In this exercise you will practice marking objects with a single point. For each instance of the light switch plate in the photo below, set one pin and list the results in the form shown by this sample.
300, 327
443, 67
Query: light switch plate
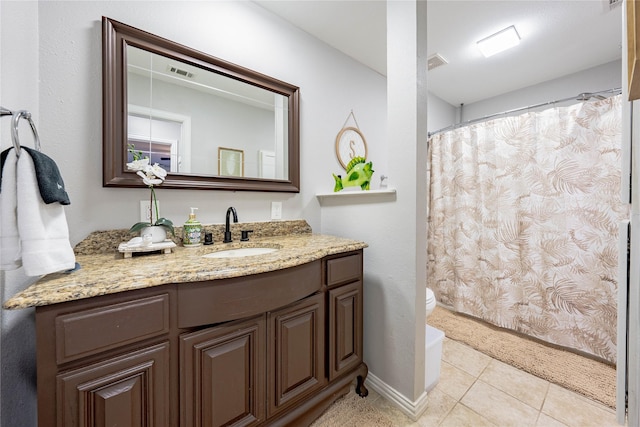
144, 210
276, 210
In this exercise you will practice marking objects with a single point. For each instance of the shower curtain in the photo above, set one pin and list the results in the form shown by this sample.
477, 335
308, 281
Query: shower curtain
523, 223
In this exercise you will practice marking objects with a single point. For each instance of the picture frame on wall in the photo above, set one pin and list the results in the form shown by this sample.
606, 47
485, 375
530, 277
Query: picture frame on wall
230, 162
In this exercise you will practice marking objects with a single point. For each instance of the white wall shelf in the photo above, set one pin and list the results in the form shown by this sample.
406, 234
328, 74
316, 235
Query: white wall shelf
357, 196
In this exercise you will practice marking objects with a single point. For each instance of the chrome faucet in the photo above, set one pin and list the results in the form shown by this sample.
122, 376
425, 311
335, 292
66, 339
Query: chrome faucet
227, 231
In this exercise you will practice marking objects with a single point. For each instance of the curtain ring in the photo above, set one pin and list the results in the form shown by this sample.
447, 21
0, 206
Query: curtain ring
14, 130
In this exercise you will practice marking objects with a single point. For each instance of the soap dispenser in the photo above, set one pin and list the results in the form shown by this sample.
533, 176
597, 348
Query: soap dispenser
191, 231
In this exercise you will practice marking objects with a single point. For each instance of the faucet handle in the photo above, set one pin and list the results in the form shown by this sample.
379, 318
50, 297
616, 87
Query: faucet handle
245, 235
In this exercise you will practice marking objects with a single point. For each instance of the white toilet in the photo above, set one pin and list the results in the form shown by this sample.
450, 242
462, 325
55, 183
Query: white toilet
433, 347
431, 301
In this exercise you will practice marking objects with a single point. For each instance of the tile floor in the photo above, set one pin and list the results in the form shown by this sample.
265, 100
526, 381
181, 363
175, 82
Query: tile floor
476, 390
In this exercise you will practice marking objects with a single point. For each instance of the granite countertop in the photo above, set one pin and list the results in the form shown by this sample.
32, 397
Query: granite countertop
109, 272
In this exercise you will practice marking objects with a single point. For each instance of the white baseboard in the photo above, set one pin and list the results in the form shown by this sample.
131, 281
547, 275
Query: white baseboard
412, 409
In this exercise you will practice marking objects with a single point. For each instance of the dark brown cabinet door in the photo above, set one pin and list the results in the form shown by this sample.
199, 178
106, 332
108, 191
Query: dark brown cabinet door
127, 391
345, 328
222, 375
295, 351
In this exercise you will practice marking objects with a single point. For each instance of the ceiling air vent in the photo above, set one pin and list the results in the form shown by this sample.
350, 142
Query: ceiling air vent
435, 61
180, 72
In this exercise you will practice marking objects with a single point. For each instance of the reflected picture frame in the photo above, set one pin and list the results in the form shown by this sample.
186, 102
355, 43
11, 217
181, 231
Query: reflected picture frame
230, 162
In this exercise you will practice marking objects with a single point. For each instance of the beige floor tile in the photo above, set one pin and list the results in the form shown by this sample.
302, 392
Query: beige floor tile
464, 357
546, 421
461, 416
499, 407
519, 384
439, 405
453, 381
575, 410
477, 391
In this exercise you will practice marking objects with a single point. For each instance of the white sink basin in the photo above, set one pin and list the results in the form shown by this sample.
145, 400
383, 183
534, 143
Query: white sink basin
239, 252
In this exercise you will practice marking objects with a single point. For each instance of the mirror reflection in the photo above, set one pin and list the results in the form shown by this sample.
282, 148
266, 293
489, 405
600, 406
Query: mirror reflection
185, 118
210, 123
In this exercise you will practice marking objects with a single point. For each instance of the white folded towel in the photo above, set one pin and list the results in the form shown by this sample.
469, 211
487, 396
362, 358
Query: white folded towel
9, 237
43, 229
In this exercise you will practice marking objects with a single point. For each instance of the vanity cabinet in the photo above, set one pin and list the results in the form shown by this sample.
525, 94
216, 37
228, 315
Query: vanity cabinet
274, 348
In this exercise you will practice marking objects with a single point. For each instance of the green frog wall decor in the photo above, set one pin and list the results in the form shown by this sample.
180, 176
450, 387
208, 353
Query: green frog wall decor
359, 173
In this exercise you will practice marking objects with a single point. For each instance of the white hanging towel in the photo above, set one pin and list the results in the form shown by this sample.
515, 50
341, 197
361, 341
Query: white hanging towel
9, 237
43, 229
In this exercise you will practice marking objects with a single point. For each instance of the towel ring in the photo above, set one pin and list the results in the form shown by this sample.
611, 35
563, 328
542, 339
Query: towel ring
14, 130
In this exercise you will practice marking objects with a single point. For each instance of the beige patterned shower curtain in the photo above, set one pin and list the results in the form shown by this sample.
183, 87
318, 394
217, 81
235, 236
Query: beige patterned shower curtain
523, 223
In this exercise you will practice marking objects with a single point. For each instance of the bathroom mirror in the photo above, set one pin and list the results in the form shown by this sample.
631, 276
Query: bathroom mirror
211, 124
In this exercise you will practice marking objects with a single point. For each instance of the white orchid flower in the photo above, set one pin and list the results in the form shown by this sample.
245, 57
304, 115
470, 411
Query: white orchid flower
158, 171
149, 180
138, 165
151, 175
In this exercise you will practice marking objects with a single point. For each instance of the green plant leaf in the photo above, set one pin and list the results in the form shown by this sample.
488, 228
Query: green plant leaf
139, 226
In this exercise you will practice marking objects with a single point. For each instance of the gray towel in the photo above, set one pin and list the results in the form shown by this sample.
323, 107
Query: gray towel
3, 158
50, 181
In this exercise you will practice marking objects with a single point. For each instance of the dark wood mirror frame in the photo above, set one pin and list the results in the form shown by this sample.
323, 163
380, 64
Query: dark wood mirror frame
115, 38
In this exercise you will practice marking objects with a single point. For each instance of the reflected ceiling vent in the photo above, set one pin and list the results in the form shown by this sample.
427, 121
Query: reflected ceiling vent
435, 61
613, 3
180, 72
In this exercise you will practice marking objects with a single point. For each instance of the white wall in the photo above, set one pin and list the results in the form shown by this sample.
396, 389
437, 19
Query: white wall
440, 113
602, 77
51, 65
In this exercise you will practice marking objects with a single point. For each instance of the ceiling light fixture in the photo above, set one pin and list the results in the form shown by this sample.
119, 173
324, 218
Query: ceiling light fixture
502, 40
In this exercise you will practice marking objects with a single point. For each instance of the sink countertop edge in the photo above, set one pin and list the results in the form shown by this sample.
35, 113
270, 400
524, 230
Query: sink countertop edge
104, 274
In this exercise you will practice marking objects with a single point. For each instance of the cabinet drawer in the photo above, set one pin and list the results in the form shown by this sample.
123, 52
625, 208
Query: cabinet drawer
92, 331
241, 297
343, 270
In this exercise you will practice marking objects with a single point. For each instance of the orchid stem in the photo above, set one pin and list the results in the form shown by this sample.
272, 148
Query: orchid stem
153, 203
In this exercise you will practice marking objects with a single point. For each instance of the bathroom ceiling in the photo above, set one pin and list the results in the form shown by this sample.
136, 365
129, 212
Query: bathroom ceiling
558, 38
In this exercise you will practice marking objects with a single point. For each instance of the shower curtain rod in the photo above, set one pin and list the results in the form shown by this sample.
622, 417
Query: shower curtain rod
585, 96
